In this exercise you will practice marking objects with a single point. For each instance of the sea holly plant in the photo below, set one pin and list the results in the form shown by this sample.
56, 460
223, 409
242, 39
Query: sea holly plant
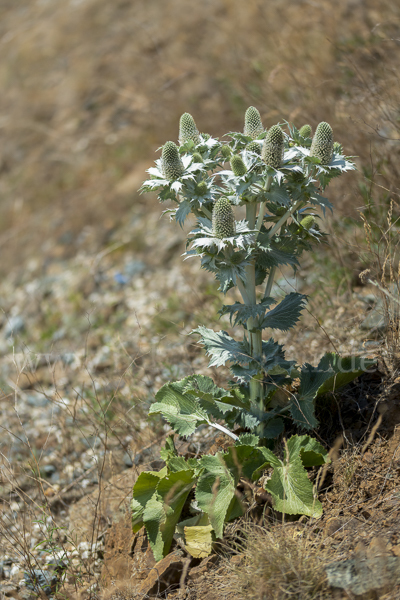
257, 199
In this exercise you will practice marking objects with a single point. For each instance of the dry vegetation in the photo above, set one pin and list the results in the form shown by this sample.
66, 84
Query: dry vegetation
90, 89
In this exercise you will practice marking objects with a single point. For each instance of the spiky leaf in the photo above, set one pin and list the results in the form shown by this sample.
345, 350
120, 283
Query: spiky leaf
286, 314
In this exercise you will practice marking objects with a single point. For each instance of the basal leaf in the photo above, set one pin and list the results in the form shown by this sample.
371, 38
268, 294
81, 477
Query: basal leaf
154, 517
311, 452
242, 461
181, 410
291, 489
215, 490
198, 540
172, 491
143, 490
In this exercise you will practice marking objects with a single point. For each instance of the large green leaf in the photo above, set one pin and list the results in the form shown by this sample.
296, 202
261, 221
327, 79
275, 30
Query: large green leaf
311, 452
163, 511
143, 490
181, 410
290, 487
222, 348
345, 369
286, 314
215, 491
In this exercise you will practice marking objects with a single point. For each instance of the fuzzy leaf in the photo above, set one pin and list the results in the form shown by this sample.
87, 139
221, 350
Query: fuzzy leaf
143, 490
222, 348
286, 314
182, 411
215, 490
163, 511
290, 487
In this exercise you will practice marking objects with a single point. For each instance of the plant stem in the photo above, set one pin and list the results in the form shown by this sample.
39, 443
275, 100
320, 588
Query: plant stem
285, 217
255, 338
263, 204
206, 212
270, 281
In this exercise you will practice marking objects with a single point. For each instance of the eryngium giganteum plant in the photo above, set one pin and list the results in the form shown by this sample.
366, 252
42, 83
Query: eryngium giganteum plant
279, 194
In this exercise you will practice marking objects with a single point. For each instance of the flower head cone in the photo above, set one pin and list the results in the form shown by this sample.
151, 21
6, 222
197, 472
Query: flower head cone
322, 144
273, 147
237, 165
253, 126
254, 147
305, 131
223, 220
187, 129
172, 165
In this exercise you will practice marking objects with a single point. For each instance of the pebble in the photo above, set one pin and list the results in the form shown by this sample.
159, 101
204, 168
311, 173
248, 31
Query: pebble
13, 326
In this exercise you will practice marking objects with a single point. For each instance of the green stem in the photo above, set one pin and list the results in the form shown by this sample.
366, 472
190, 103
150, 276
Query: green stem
206, 212
250, 298
263, 205
270, 281
285, 217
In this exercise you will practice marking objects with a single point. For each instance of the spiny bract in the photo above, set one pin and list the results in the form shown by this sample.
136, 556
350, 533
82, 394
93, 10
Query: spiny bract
337, 147
273, 147
254, 147
223, 220
322, 144
305, 131
187, 129
172, 165
237, 165
253, 126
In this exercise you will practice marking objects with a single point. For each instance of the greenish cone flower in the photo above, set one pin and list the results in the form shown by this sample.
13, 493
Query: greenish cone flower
223, 220
237, 165
338, 148
172, 165
226, 152
305, 131
322, 144
253, 126
187, 129
201, 188
254, 147
307, 222
197, 157
273, 147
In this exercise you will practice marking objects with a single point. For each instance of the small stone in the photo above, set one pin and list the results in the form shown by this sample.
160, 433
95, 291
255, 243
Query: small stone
13, 326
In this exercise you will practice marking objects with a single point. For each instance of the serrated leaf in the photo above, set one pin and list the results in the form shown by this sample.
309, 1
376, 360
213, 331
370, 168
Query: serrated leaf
311, 452
143, 490
302, 404
242, 461
291, 489
181, 410
163, 511
244, 312
286, 314
183, 211
222, 348
279, 195
215, 490
248, 439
